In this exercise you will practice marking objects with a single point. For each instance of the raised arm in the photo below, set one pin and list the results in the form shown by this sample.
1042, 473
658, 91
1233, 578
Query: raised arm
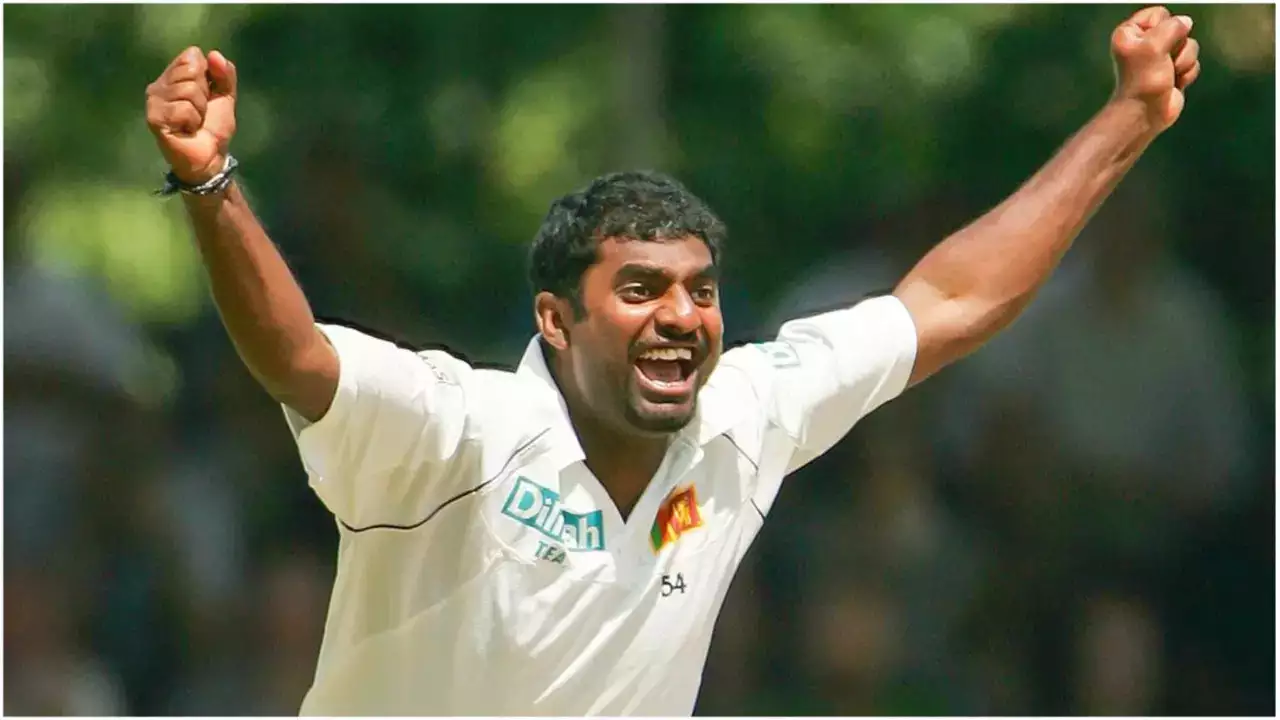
976, 282
191, 112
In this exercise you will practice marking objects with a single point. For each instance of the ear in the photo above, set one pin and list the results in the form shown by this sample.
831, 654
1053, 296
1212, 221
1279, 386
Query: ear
552, 314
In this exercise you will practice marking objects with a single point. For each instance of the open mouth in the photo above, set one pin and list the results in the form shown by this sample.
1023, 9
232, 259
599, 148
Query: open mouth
667, 372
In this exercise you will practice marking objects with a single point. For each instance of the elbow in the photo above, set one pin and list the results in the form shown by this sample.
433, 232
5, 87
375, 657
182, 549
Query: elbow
978, 320
953, 320
950, 329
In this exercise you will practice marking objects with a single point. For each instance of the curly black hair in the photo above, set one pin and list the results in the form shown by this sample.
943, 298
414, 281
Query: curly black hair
634, 205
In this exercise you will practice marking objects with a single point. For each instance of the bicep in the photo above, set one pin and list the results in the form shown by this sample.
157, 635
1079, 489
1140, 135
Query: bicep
945, 328
310, 388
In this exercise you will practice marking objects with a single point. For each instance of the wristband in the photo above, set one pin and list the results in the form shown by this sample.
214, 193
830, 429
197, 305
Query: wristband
215, 184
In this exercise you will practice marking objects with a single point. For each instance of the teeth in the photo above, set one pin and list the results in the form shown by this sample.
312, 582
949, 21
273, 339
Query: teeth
668, 354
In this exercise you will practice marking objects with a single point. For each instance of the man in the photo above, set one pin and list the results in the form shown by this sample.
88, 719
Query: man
558, 540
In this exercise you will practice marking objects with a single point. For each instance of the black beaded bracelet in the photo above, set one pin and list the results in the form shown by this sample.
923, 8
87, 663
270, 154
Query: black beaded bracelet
214, 185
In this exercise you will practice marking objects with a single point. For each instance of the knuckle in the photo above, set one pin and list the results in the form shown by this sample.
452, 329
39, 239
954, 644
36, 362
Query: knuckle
1142, 51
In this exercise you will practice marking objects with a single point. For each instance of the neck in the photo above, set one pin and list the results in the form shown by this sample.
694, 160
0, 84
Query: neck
623, 461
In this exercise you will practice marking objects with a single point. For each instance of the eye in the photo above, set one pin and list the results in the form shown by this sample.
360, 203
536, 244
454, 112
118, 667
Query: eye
636, 293
705, 294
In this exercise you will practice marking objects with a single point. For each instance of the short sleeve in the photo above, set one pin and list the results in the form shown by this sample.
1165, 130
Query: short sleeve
383, 451
825, 372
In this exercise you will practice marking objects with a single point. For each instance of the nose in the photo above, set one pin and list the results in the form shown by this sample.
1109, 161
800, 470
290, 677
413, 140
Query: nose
678, 316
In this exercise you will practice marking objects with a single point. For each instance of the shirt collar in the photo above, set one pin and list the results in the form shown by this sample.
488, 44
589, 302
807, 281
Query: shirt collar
566, 449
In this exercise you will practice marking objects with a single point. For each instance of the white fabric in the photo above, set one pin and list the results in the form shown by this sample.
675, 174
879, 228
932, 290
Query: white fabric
483, 570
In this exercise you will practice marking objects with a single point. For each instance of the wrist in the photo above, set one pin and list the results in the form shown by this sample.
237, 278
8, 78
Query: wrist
211, 204
201, 175
1133, 116
214, 185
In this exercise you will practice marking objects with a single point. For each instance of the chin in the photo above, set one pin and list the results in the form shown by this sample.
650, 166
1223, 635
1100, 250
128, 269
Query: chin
660, 419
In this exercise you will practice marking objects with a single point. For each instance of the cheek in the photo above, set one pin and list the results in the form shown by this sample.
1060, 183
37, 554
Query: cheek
713, 322
606, 358
616, 330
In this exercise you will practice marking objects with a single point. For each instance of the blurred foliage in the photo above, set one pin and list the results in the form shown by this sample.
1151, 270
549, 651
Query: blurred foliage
403, 156
796, 122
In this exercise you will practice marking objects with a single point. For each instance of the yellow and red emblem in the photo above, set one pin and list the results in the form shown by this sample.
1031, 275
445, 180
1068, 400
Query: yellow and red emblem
678, 515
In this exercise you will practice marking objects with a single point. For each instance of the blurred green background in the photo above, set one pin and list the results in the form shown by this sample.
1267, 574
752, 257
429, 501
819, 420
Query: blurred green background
1080, 519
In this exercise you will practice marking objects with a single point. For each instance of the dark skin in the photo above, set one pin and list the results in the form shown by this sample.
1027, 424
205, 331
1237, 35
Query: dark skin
959, 295
638, 295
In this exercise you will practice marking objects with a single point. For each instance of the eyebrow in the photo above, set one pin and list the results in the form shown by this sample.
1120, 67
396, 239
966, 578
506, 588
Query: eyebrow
645, 271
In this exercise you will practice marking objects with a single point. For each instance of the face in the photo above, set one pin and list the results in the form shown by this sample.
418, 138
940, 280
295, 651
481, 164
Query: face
649, 338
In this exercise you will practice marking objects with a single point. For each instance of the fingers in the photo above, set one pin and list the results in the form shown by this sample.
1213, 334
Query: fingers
223, 73
1166, 36
1156, 59
183, 118
178, 117
1186, 65
1147, 18
1187, 57
178, 99
180, 59
1177, 101
195, 92
189, 63
188, 70
188, 74
1185, 79
1133, 33
177, 107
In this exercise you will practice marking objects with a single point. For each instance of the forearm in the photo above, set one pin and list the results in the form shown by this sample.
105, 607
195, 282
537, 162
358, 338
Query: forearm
984, 275
261, 304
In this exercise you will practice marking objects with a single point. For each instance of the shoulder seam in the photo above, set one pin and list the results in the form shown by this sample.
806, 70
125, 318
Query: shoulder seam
418, 348
393, 526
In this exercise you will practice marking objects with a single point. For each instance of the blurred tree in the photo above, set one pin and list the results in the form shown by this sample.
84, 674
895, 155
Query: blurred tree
403, 156
794, 121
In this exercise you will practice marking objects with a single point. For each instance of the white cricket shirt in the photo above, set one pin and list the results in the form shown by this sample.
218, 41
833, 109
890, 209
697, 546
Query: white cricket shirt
483, 570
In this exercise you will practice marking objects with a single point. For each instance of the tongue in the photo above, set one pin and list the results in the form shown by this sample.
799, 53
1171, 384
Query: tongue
660, 370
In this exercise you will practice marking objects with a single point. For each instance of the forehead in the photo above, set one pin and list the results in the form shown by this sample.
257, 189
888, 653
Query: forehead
679, 258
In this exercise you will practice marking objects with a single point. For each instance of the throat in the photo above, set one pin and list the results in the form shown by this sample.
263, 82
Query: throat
623, 466
622, 462
625, 476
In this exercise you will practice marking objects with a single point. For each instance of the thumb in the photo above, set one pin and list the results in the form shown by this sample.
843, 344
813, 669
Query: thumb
223, 74
1170, 33
1126, 39
1173, 108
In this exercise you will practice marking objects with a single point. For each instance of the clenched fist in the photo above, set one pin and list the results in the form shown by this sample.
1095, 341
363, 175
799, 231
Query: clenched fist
191, 109
1156, 59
